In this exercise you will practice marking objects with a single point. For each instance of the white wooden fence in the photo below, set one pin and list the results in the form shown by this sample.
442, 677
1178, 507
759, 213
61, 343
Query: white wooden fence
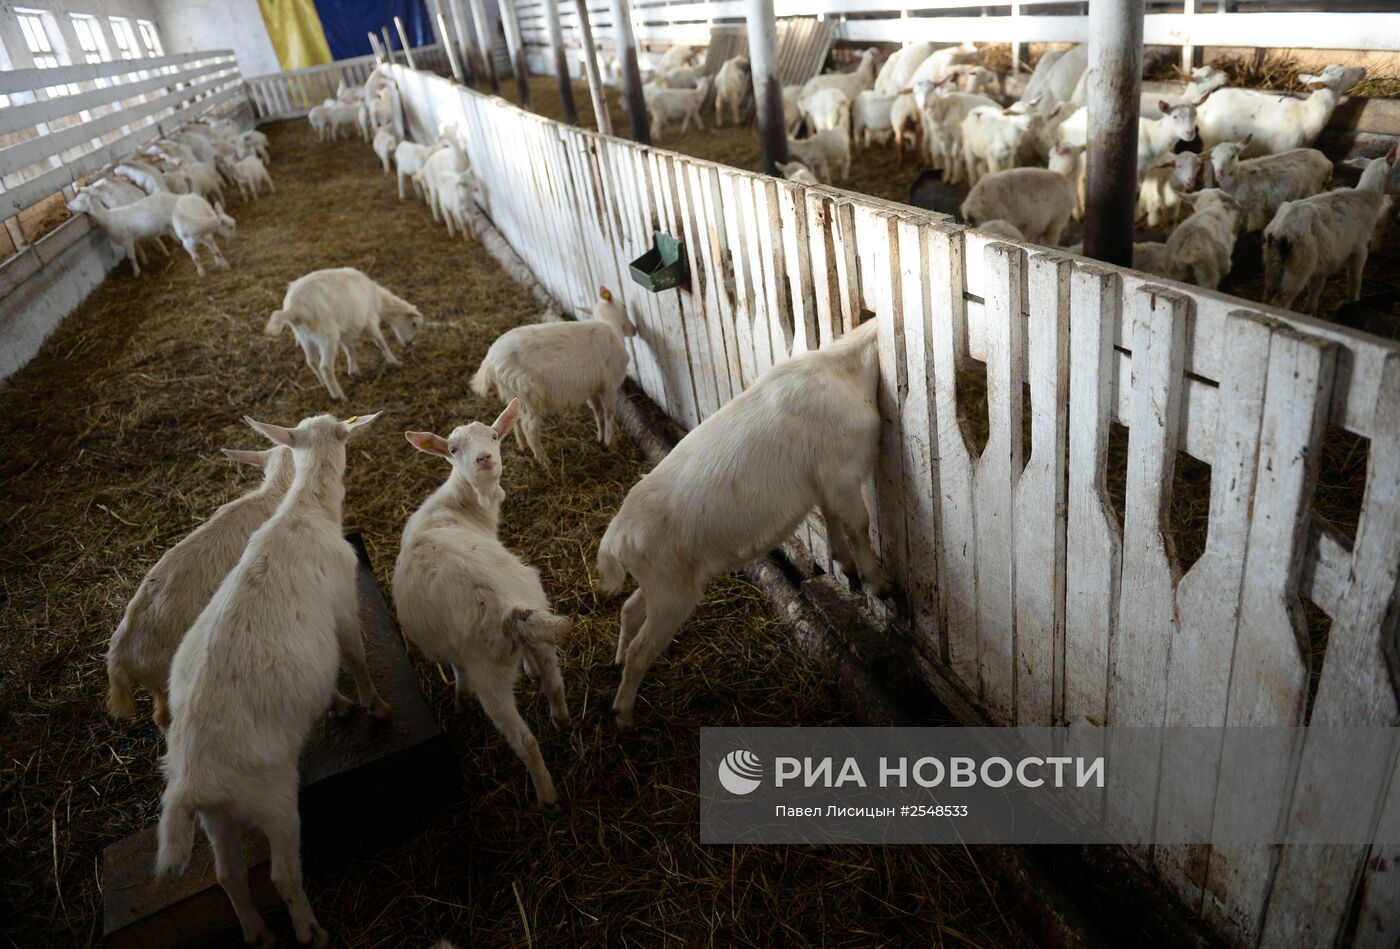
285, 95
1007, 21
1020, 584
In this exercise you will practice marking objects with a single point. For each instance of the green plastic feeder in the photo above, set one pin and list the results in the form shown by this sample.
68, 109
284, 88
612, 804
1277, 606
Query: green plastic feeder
663, 267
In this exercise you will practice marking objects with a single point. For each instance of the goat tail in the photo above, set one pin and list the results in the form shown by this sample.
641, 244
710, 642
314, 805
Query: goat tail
530, 628
612, 573
176, 832
485, 378
277, 320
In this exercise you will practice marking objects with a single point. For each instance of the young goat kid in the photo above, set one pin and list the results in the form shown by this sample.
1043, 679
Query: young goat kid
195, 223
177, 588
255, 673
804, 435
552, 367
330, 308
465, 600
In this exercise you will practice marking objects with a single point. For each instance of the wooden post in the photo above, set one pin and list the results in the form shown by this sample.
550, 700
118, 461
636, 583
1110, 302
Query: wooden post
451, 50
1016, 44
465, 41
403, 38
590, 69
637, 119
1115, 81
767, 87
561, 61
374, 45
1188, 52
483, 38
388, 46
517, 51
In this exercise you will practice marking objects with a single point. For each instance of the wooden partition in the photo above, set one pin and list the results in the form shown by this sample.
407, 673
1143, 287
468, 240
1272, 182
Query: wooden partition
1022, 580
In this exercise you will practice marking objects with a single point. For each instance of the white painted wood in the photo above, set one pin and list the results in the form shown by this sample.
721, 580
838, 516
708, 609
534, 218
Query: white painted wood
792, 216
720, 305
956, 524
1312, 885
889, 514
1138, 653
738, 226
1208, 610
1378, 922
14, 81
995, 481
1039, 498
1093, 544
920, 439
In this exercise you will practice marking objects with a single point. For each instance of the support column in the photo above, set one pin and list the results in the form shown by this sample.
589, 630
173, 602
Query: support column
517, 51
483, 37
1115, 81
590, 69
561, 61
767, 87
637, 119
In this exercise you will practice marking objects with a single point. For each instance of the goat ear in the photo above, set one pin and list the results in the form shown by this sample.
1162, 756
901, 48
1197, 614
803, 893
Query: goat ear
255, 458
1244, 142
428, 442
1163, 106
356, 422
506, 420
282, 436
1392, 155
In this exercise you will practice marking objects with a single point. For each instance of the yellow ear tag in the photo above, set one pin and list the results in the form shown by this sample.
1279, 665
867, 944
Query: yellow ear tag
350, 420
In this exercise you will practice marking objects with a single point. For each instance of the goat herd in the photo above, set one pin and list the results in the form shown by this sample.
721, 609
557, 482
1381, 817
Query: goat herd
240, 630
1255, 170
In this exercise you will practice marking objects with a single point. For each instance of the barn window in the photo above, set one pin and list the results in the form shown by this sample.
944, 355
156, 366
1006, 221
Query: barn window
94, 45
150, 37
37, 36
126, 40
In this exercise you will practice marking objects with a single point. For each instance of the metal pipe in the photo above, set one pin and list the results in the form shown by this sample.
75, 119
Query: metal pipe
403, 38
561, 61
1115, 81
483, 37
767, 86
590, 69
637, 120
517, 51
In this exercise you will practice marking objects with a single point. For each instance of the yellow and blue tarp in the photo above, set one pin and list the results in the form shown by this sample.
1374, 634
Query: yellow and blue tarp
312, 32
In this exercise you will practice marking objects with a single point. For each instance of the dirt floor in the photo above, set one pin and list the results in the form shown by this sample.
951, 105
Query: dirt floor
111, 455
875, 172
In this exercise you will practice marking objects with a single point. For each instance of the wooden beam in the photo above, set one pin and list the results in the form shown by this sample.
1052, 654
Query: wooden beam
1115, 80
483, 37
517, 52
403, 38
466, 40
590, 69
561, 62
767, 87
637, 120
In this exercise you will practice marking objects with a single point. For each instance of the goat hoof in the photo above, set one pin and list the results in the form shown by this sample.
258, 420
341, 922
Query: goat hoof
380, 709
623, 721
320, 939
263, 940
341, 706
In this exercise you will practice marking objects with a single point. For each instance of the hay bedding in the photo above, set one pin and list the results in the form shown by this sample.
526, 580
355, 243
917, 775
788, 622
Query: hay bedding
111, 439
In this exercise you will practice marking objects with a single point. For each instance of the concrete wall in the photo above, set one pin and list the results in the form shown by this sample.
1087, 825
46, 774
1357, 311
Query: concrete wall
192, 25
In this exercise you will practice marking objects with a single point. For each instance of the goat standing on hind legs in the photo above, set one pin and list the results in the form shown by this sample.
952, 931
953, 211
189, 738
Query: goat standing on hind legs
804, 435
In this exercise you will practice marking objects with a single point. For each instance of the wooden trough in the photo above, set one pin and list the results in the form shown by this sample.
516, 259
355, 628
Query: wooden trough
365, 784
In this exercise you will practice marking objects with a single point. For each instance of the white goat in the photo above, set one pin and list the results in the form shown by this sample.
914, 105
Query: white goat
1262, 185
1204, 81
1310, 239
182, 581
906, 125
150, 178
114, 191
872, 122
204, 179
940, 63
1277, 121
408, 161
792, 110
1001, 228
254, 675
142, 220
796, 171
553, 367
1036, 201
195, 223
823, 152
849, 83
828, 109
251, 174
1159, 195
668, 105
993, 140
329, 309
676, 57
804, 435
1200, 248
466, 601
732, 84
384, 145
942, 127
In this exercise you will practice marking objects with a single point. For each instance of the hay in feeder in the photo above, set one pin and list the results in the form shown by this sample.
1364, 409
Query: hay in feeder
112, 436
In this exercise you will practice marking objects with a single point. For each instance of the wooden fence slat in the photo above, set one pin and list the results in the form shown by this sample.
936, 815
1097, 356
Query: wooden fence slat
1093, 542
889, 468
705, 237
1039, 498
738, 205
681, 378
761, 312
995, 478
1138, 654
920, 439
704, 367
792, 209
1208, 611
777, 318
956, 511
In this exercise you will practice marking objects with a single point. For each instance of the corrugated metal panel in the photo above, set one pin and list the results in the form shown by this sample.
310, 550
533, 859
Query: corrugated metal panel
803, 45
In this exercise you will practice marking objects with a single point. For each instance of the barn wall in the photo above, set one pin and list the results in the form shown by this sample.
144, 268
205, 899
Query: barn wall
191, 25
